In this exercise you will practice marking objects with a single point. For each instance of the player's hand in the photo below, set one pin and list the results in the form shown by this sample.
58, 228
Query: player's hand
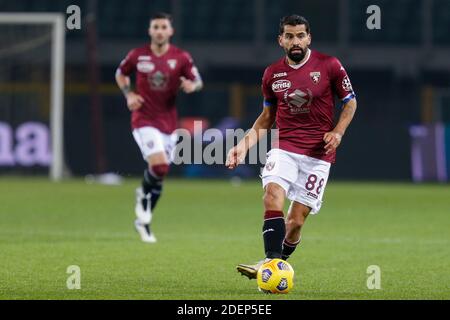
188, 86
235, 156
332, 140
134, 101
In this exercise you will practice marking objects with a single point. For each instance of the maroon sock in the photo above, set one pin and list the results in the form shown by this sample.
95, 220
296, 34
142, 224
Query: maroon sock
288, 248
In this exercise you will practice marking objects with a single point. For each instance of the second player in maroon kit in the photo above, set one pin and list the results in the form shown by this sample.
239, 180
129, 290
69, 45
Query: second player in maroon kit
158, 82
160, 70
299, 92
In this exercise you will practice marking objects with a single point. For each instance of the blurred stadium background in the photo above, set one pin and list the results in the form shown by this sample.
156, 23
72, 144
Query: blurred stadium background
401, 132
401, 75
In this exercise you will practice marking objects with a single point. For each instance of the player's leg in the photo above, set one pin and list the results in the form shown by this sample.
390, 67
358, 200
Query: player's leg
278, 174
274, 228
306, 199
151, 143
158, 168
295, 220
151, 191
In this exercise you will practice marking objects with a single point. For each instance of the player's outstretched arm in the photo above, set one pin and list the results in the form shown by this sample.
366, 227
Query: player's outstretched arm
134, 101
263, 123
333, 138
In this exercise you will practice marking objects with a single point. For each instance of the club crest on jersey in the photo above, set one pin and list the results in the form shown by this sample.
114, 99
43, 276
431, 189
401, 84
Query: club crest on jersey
281, 85
315, 76
172, 63
145, 66
270, 165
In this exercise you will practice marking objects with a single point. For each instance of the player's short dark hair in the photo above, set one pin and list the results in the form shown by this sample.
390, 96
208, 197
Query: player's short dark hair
161, 15
293, 20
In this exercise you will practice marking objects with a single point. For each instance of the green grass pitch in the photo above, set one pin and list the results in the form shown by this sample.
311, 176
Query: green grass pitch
204, 228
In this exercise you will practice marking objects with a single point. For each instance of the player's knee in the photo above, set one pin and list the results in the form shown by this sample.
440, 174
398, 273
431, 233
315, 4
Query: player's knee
273, 196
160, 170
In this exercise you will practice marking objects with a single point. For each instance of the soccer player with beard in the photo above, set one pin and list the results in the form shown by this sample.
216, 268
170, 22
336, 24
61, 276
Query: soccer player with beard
299, 92
160, 70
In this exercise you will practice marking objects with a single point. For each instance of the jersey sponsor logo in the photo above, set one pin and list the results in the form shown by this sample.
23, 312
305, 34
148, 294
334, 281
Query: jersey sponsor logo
172, 63
299, 101
315, 76
279, 75
144, 58
281, 85
346, 84
158, 80
145, 66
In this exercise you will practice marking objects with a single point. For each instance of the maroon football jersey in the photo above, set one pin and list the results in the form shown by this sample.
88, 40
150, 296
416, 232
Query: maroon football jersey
304, 98
158, 81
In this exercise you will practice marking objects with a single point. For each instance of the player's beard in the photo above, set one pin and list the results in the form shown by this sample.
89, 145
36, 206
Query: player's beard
297, 56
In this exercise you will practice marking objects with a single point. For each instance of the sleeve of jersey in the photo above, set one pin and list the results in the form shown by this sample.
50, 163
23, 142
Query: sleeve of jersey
128, 65
190, 71
270, 100
341, 82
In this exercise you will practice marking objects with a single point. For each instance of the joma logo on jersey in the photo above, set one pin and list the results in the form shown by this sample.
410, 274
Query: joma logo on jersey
281, 85
144, 58
279, 75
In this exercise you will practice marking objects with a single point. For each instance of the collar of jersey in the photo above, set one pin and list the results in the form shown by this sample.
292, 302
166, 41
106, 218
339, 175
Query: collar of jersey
163, 55
298, 66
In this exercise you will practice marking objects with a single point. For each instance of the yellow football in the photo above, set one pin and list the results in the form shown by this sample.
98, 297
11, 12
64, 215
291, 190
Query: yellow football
275, 276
